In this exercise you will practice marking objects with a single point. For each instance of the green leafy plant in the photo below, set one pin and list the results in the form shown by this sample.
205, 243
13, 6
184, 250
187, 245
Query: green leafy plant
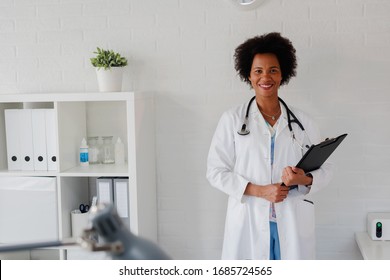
107, 59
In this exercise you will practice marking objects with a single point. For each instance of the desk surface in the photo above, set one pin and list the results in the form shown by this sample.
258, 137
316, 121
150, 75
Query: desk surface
372, 250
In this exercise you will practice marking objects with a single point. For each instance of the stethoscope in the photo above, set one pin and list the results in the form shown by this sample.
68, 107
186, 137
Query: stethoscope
291, 118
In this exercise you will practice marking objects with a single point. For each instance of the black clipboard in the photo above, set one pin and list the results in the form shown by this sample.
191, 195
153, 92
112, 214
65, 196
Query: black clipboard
317, 154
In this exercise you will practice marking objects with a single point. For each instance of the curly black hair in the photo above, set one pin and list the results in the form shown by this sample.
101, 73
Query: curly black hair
267, 43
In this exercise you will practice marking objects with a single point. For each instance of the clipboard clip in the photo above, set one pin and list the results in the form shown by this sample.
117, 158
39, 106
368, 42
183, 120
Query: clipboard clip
327, 141
318, 154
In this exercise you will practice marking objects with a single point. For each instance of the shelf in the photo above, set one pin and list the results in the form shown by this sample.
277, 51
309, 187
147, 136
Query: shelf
18, 173
372, 249
97, 170
77, 115
65, 97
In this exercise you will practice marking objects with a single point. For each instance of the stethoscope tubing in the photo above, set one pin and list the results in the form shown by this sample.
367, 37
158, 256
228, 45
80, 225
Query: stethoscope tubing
244, 131
289, 114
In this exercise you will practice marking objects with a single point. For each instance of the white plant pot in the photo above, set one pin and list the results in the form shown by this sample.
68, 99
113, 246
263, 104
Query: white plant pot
109, 80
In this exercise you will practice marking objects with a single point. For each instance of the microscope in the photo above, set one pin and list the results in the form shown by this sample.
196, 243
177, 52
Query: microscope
117, 240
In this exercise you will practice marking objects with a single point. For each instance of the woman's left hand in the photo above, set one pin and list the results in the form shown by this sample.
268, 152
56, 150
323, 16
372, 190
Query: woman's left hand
292, 175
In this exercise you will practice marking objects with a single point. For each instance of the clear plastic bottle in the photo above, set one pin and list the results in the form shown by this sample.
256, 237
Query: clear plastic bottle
119, 152
83, 152
93, 143
108, 151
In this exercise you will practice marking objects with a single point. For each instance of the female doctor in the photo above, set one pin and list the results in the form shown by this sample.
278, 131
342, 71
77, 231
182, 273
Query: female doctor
252, 157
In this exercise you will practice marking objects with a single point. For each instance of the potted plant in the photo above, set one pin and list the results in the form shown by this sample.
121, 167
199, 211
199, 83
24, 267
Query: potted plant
109, 69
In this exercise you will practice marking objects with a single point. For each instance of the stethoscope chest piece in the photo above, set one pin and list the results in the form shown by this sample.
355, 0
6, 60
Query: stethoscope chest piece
243, 131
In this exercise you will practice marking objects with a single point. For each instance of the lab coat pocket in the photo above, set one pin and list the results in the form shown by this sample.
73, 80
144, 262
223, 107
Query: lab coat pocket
306, 218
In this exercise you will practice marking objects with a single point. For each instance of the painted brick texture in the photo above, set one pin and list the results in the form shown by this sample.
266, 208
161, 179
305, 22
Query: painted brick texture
182, 51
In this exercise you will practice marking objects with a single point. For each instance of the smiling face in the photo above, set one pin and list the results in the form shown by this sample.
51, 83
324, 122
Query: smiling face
265, 75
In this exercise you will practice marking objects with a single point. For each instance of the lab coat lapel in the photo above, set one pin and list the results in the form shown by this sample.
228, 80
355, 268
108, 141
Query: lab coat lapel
258, 119
283, 122
261, 124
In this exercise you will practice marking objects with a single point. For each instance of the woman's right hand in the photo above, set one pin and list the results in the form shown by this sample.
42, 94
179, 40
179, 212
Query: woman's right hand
272, 192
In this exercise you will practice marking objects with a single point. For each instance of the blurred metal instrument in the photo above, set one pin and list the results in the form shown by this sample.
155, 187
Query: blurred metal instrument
118, 241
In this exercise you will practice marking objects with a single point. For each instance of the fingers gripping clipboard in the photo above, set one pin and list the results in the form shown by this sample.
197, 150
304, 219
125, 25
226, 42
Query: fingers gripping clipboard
319, 153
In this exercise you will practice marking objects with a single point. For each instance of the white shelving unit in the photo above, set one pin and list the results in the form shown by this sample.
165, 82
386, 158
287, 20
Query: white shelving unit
127, 115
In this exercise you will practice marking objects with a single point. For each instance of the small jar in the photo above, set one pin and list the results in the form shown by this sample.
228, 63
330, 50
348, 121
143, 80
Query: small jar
93, 143
108, 150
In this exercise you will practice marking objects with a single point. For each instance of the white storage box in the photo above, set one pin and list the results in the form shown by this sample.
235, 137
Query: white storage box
28, 209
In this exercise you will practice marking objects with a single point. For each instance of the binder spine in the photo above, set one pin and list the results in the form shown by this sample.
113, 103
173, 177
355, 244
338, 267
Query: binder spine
51, 140
115, 190
26, 138
39, 139
121, 198
12, 127
105, 191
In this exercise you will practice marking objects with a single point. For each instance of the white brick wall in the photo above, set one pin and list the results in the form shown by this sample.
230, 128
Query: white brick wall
182, 50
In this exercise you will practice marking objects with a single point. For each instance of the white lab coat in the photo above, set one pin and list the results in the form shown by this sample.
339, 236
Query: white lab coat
235, 160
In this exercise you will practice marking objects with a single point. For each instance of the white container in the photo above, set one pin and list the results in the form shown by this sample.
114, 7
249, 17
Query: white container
28, 209
108, 150
93, 150
109, 80
80, 222
119, 152
378, 225
83, 151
